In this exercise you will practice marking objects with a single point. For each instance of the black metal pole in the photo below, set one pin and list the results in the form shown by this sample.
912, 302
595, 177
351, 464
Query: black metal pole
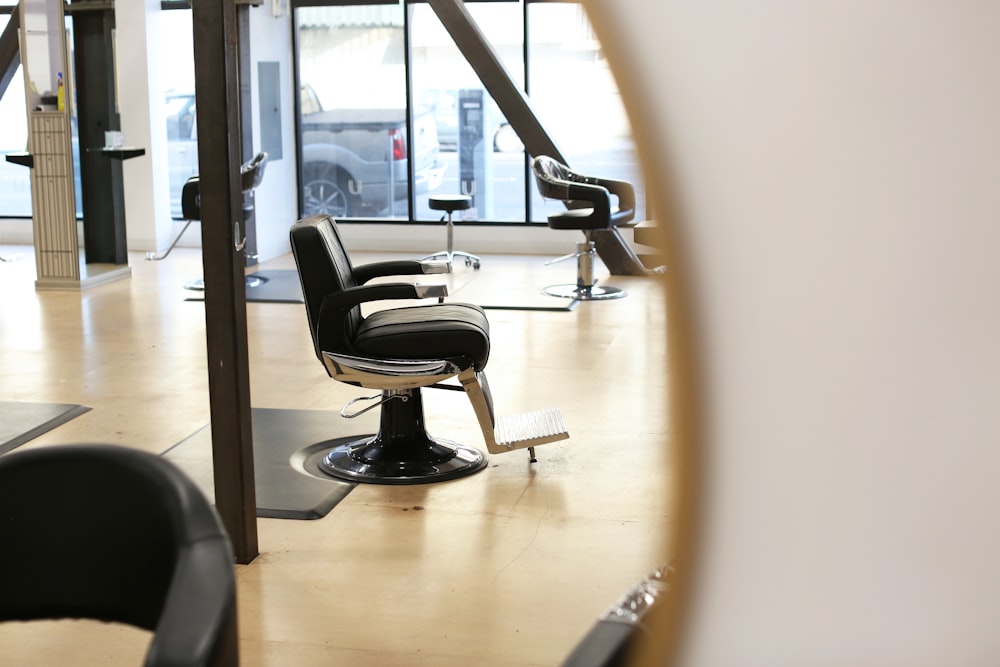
217, 95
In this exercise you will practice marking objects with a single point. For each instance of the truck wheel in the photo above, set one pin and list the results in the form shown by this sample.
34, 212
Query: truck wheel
325, 191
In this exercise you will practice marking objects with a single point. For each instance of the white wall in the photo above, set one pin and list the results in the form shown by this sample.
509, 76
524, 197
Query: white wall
275, 200
837, 167
139, 72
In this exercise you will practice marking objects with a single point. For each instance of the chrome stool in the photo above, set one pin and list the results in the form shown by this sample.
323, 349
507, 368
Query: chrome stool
452, 203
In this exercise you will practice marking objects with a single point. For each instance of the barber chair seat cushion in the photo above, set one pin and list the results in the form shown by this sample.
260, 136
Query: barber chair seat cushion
441, 331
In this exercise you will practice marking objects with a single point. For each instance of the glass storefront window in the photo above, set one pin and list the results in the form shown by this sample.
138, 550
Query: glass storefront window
353, 66
182, 132
354, 142
182, 138
355, 135
577, 100
482, 155
15, 180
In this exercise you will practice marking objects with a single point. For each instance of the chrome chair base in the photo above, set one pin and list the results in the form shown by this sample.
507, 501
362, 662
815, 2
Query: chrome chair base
372, 461
401, 452
585, 288
592, 293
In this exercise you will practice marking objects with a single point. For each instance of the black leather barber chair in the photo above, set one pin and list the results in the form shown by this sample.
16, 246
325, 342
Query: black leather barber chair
399, 351
589, 202
450, 204
251, 174
119, 535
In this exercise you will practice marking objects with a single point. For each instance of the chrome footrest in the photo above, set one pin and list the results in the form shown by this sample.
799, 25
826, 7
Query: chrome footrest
528, 430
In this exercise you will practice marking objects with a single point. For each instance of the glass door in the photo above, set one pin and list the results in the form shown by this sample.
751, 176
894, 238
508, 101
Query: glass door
577, 100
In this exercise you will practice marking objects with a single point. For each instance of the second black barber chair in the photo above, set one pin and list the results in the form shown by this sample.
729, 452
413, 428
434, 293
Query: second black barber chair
399, 351
589, 209
251, 174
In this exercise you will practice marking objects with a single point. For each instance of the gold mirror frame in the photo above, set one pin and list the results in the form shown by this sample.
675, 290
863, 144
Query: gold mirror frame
679, 539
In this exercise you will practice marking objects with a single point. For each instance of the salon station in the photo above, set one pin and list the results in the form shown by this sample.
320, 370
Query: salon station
498, 333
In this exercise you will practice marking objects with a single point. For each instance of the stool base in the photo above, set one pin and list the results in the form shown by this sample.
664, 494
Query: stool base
592, 293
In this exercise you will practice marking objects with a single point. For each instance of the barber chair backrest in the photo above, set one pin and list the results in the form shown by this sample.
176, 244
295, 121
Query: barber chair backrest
116, 534
251, 174
552, 177
579, 191
324, 268
191, 199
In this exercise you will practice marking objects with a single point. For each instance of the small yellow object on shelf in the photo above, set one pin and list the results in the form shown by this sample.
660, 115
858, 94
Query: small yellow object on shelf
61, 95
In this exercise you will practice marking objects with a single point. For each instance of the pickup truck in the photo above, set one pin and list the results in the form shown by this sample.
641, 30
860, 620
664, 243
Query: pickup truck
354, 161
349, 156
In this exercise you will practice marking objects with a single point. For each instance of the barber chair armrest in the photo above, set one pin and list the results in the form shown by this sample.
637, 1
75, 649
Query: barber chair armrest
399, 267
435, 266
597, 196
625, 192
252, 173
355, 296
432, 291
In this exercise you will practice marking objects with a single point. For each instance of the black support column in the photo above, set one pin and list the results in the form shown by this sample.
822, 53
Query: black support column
101, 181
217, 92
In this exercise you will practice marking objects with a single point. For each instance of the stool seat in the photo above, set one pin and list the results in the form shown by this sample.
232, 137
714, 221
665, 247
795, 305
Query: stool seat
450, 203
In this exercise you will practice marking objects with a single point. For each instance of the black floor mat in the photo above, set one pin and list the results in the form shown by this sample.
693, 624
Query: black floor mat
274, 286
283, 444
24, 421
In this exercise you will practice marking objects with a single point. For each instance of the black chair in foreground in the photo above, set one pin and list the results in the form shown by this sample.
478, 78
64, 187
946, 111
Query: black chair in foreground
590, 210
120, 535
251, 174
398, 351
